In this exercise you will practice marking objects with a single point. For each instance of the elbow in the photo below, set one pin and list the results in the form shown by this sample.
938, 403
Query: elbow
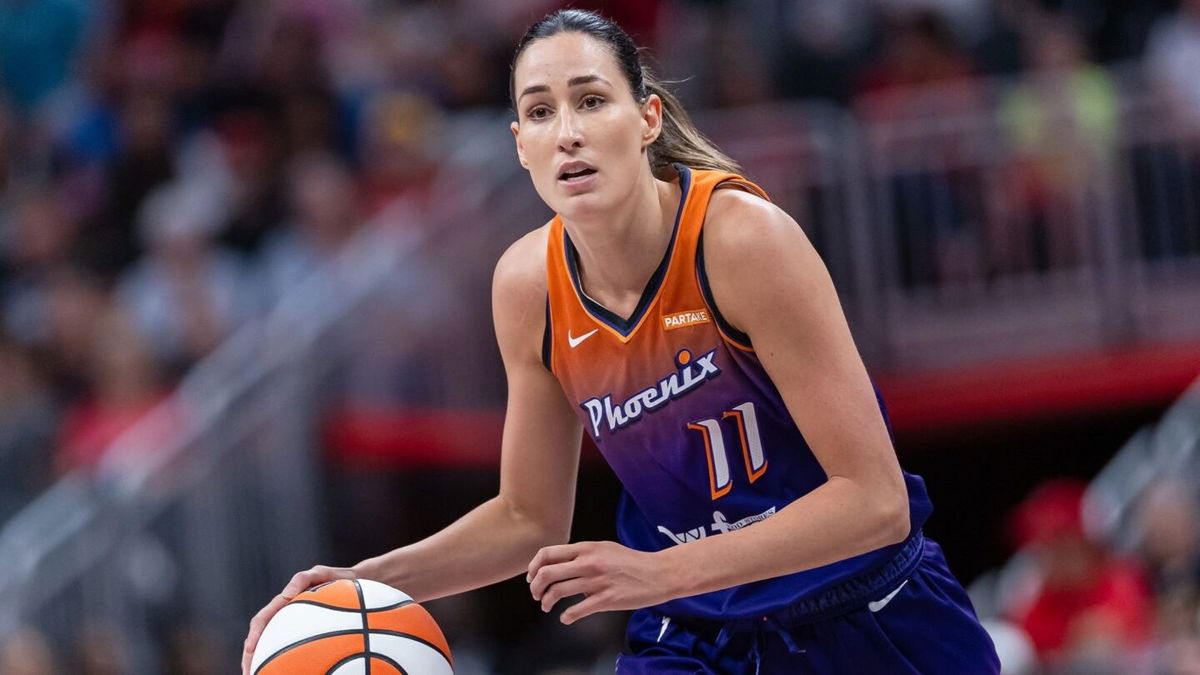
537, 528
894, 522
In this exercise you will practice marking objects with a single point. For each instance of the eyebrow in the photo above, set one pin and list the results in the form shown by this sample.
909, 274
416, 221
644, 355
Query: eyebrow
573, 82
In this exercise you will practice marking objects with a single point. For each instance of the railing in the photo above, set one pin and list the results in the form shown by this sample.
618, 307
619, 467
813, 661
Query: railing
208, 498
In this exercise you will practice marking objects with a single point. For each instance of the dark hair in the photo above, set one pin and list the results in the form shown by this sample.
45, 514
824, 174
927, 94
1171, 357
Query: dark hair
679, 141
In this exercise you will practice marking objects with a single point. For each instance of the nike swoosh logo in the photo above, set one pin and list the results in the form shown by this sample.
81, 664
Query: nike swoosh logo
574, 341
661, 633
880, 604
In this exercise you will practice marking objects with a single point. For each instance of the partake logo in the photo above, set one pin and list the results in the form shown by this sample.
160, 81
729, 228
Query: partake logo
689, 374
684, 319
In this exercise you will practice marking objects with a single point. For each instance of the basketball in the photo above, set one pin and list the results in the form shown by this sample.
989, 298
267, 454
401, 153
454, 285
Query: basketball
349, 627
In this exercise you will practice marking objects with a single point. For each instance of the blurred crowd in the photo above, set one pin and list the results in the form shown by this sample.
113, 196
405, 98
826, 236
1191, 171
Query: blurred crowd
1073, 600
170, 169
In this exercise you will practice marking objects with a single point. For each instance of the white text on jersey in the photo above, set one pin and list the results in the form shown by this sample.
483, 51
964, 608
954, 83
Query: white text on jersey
690, 374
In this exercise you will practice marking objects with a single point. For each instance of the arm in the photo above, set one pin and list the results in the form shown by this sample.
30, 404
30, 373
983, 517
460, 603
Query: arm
800, 334
539, 457
538, 465
793, 316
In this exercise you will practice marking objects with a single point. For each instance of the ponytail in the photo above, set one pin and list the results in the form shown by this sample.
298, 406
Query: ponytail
679, 141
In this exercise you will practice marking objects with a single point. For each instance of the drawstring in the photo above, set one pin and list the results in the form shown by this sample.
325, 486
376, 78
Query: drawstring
758, 635
760, 640
758, 649
785, 635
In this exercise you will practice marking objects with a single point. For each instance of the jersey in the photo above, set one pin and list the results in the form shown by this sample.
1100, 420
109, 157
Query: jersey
683, 411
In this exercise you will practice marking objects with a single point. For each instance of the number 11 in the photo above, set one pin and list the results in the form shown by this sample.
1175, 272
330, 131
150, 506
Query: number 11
719, 480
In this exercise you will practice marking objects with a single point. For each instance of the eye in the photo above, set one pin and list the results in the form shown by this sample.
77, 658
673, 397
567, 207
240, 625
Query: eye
540, 112
591, 102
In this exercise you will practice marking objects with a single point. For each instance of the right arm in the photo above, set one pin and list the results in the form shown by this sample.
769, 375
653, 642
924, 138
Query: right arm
538, 464
539, 461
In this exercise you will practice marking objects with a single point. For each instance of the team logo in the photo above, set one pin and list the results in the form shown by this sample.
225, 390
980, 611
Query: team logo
689, 374
684, 319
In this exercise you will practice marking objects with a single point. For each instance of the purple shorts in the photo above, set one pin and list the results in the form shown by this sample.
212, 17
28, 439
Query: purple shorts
924, 625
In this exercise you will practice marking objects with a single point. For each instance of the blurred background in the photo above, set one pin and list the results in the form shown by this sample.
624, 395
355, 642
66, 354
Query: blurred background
245, 251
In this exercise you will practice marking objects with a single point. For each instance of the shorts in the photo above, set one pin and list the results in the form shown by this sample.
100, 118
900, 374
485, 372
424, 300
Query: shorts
925, 625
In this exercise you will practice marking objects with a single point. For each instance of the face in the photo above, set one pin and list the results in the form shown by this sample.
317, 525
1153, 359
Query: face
580, 133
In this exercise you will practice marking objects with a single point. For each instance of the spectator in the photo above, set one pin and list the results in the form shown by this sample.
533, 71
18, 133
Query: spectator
1062, 123
101, 649
38, 43
40, 238
1091, 607
821, 45
1173, 59
923, 74
28, 418
397, 150
251, 153
145, 161
125, 384
324, 208
1167, 521
188, 293
1168, 525
67, 315
26, 651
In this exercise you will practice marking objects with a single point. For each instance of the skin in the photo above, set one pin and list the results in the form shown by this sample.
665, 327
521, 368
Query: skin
579, 107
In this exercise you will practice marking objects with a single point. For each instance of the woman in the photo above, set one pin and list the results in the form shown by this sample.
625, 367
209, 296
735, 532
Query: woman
694, 333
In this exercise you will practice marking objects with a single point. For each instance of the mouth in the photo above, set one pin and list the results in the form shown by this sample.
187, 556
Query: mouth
576, 175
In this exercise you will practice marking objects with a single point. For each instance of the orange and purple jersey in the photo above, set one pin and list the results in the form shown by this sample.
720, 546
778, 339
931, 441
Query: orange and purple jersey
678, 403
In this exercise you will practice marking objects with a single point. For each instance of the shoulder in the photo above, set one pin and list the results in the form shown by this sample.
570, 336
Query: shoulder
521, 270
519, 292
743, 228
758, 260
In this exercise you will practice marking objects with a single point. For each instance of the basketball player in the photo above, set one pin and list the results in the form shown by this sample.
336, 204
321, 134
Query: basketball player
674, 314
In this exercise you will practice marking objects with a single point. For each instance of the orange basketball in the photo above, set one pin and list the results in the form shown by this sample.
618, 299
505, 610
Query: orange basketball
352, 627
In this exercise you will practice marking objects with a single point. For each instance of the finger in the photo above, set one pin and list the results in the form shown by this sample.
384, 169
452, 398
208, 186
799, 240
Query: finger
589, 606
302, 581
552, 574
257, 624
551, 555
299, 583
565, 589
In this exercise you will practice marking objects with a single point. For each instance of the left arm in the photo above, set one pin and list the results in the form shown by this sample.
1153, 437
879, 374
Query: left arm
800, 335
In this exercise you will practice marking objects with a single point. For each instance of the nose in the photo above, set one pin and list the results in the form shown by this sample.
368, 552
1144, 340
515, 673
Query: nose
570, 135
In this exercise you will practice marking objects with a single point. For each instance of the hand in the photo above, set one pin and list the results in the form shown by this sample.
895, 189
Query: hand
301, 582
610, 576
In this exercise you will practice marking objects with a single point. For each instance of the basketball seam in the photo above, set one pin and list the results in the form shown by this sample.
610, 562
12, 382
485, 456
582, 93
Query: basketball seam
415, 638
314, 603
348, 659
340, 633
388, 661
300, 643
368, 656
366, 630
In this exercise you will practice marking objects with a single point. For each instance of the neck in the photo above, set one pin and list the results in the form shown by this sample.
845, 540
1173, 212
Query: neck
620, 249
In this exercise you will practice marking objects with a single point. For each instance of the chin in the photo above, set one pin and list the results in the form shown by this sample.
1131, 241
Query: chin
574, 207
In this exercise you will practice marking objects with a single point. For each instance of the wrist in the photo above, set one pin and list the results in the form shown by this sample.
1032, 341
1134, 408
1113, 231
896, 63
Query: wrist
368, 569
677, 574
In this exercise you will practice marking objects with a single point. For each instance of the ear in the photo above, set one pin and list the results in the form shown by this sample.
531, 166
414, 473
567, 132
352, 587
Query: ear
652, 119
516, 131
